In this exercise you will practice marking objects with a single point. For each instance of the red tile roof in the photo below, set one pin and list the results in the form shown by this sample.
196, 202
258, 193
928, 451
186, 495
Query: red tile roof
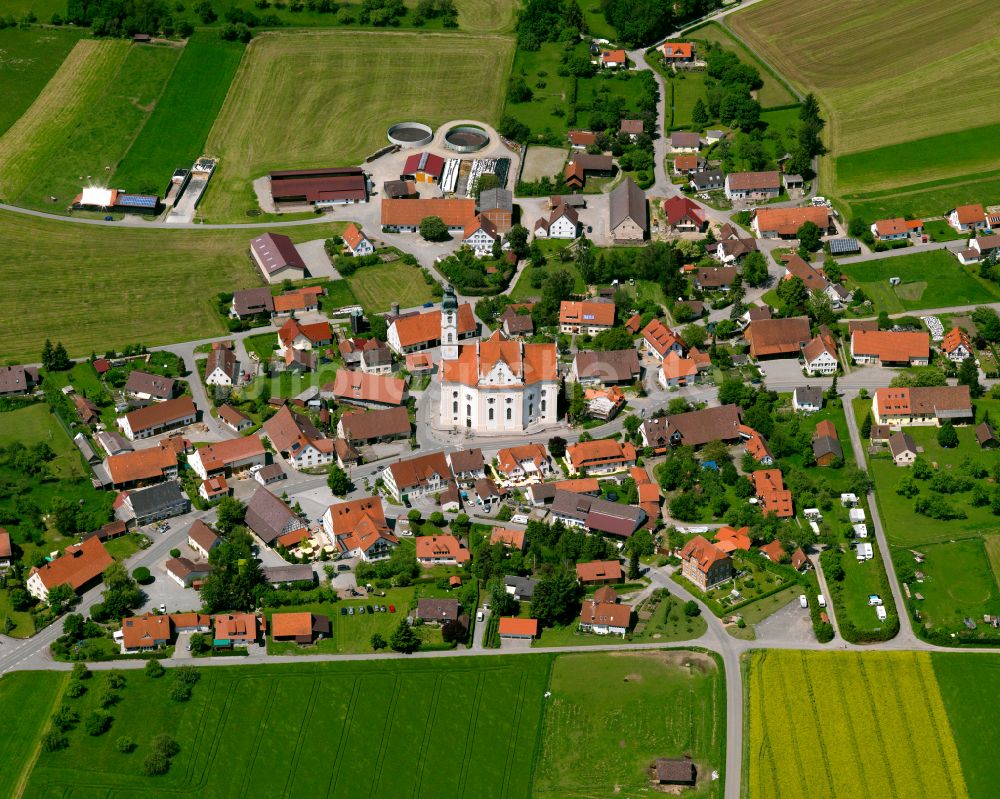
680, 208
605, 614
431, 547
141, 464
956, 337
509, 538
423, 328
703, 552
77, 566
597, 571
969, 214
890, 346
660, 337
161, 414
787, 221
530, 363
362, 387
587, 313
409, 213
510, 625
605, 451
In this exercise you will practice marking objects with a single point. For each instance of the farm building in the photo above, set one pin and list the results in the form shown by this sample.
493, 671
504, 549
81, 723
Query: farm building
582, 165
277, 258
98, 199
753, 185
777, 337
904, 407
404, 216
423, 168
319, 187
562, 223
158, 418
888, 348
628, 213
784, 223
497, 205
400, 189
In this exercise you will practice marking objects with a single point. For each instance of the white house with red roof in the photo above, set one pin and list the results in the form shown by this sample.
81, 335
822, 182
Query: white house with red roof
613, 59
967, 218
480, 235
356, 243
661, 340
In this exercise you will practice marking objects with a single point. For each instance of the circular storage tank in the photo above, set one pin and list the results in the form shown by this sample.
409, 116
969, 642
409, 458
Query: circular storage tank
410, 134
466, 139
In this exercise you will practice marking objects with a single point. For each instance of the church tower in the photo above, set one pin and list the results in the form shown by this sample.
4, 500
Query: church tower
449, 325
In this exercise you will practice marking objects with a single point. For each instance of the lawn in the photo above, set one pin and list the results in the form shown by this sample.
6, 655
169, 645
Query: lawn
27, 699
610, 716
377, 287
846, 724
539, 67
688, 88
931, 279
34, 424
774, 91
338, 295
174, 134
928, 199
524, 289
105, 288
28, 59
24, 622
959, 583
301, 77
263, 731
969, 687
865, 84
40, 135
43, 9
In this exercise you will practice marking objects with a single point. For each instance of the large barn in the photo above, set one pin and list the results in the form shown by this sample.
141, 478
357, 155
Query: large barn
277, 258
319, 187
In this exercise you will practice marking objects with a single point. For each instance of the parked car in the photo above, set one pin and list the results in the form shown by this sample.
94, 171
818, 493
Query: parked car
803, 602
343, 611
392, 608
350, 611
479, 615
369, 608
163, 608
343, 567
361, 611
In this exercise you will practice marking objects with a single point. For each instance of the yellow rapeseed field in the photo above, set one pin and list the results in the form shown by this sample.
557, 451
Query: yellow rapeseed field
852, 725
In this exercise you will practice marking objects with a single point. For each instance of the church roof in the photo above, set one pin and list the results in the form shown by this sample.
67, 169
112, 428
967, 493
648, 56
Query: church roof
529, 363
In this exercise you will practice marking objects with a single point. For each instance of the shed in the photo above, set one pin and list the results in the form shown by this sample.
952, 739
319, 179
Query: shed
674, 771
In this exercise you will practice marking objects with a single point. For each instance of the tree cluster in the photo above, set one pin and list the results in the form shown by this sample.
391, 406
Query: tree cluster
236, 580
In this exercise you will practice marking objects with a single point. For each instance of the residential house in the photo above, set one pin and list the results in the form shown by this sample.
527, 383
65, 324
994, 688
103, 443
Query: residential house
297, 336
272, 473
601, 456
985, 246
140, 467
187, 573
682, 141
524, 463
677, 52
826, 444
777, 338
376, 360
661, 340
604, 403
581, 139
903, 449
966, 218
202, 538
6, 550
419, 364
814, 280
755, 445
889, 348
511, 628
479, 235
631, 127
688, 164
521, 588
956, 345
800, 561
252, 302
676, 371
753, 185
715, 278
467, 465
79, 566
516, 324
300, 300
374, 426
302, 628
268, 518
708, 180
236, 629
600, 572
693, 428
234, 419
88, 411
784, 223
684, 214
562, 223
629, 222
905, 407
417, 477
773, 551
807, 399
437, 611
368, 391
142, 506
277, 258
613, 59
15, 380
296, 439
497, 205
149, 387
146, 633
614, 367
732, 251
356, 243
605, 618
359, 529
587, 317
422, 331
583, 165
897, 229
819, 355
596, 515
436, 550
510, 539
214, 488
228, 457
729, 539
769, 488
704, 564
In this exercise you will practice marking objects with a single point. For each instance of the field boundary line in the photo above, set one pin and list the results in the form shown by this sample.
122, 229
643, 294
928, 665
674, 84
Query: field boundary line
213, 749
876, 719
29, 766
390, 714
344, 732
537, 752
790, 725
515, 727
907, 720
471, 734
426, 739
258, 737
297, 751
824, 754
853, 736
939, 724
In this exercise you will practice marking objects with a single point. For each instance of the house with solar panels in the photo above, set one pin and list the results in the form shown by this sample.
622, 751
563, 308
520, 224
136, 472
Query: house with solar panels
99, 199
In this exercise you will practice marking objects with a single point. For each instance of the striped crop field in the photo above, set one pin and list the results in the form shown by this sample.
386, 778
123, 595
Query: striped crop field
822, 724
325, 98
43, 129
486, 16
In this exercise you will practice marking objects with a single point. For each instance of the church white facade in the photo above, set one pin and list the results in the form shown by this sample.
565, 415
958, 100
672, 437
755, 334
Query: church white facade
498, 385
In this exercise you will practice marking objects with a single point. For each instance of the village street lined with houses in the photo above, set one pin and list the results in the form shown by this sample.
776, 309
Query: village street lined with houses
576, 406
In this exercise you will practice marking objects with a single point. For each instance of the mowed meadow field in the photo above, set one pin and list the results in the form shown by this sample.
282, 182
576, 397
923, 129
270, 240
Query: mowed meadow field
28, 59
824, 724
100, 287
325, 98
909, 87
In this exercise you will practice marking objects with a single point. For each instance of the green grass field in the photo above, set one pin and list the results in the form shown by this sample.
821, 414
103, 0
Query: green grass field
330, 729
927, 199
542, 66
377, 287
341, 115
688, 88
36, 424
174, 134
933, 279
610, 716
28, 699
960, 582
43, 9
968, 687
96, 288
937, 60
28, 59
839, 724
41, 133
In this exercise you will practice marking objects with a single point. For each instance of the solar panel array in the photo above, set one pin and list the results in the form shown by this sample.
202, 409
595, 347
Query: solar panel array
838, 246
137, 200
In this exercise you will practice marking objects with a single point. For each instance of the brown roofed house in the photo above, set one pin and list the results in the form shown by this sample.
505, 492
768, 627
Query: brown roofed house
704, 564
600, 572
302, 628
776, 338
377, 425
